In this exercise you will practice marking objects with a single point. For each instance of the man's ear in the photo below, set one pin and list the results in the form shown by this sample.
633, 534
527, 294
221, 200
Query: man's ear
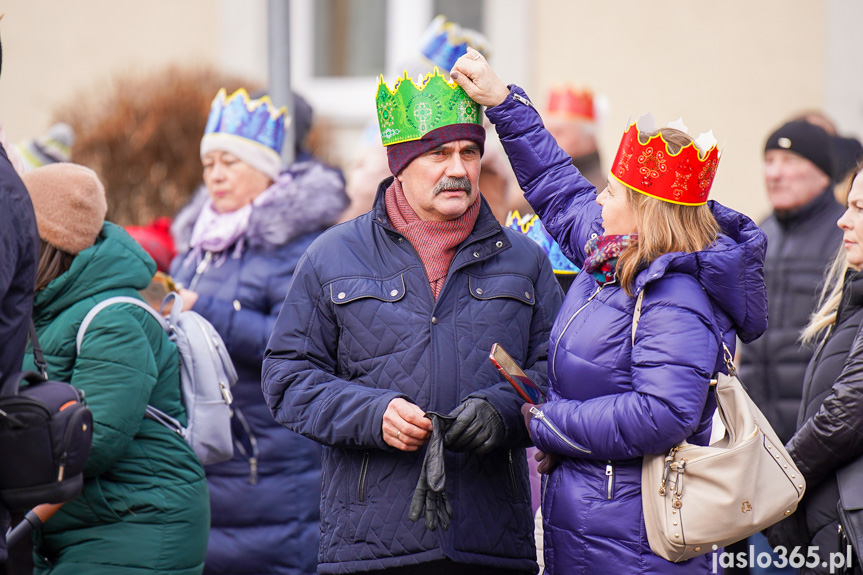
399, 177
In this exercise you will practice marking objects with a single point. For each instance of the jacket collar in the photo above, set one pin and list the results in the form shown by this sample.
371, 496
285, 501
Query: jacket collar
852, 295
790, 218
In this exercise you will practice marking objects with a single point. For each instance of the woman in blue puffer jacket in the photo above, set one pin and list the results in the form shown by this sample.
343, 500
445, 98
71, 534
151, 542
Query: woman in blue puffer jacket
239, 242
612, 401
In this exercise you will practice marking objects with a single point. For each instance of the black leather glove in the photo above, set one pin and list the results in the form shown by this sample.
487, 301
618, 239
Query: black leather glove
430, 493
478, 427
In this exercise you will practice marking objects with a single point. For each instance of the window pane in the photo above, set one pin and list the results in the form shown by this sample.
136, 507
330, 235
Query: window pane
350, 37
465, 13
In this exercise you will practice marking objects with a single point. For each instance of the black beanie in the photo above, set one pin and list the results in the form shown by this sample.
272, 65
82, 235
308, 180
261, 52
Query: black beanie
804, 139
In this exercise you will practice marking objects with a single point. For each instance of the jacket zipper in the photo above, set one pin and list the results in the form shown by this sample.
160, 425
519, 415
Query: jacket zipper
202, 267
560, 337
72, 426
364, 469
253, 441
541, 416
512, 475
609, 473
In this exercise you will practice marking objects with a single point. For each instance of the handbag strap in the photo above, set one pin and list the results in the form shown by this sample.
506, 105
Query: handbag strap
636, 315
38, 356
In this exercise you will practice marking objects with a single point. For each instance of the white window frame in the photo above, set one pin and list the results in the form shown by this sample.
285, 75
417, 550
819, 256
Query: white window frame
351, 100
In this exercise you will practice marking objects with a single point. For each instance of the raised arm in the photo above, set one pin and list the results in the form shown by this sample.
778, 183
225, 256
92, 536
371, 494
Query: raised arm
560, 195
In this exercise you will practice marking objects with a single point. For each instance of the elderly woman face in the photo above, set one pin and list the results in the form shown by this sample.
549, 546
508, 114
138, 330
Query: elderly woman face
232, 183
851, 224
618, 216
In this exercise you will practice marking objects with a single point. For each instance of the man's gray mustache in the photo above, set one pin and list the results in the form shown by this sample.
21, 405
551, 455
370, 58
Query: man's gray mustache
446, 184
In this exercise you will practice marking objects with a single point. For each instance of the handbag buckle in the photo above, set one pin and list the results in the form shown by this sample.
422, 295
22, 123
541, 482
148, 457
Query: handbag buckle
729, 361
668, 460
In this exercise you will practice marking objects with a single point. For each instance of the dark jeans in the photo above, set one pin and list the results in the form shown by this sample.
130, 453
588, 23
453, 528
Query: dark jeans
447, 567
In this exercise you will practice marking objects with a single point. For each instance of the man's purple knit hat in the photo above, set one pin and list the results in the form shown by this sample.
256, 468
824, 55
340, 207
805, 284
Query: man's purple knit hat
401, 154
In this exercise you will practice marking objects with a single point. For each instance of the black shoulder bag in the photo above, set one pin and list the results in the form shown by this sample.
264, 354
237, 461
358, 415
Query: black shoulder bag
45, 435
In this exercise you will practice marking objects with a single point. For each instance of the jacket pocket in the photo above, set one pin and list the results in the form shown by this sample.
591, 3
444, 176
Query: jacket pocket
361, 484
346, 290
513, 482
372, 315
103, 509
509, 286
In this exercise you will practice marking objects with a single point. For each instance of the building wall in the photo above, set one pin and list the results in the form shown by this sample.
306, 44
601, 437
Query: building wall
737, 67
54, 51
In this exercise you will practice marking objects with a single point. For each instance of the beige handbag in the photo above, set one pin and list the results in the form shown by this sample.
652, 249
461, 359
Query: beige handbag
700, 498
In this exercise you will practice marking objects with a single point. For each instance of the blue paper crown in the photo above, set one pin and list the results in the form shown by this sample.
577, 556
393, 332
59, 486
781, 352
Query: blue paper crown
530, 226
445, 42
256, 120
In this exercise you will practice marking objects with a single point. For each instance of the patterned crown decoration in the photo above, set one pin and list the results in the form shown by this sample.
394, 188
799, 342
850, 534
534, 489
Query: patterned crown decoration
682, 178
410, 110
445, 42
530, 226
240, 116
569, 103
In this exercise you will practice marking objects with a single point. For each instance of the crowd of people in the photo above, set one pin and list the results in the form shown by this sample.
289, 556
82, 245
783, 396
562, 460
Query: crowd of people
371, 432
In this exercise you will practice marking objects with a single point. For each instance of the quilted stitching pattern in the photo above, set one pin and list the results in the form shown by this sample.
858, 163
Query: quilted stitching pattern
395, 345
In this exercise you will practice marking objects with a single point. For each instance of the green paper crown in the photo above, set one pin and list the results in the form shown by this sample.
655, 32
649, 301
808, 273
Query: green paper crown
408, 112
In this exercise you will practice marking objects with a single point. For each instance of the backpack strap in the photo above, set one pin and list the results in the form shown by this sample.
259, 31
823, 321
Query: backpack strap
79, 339
151, 412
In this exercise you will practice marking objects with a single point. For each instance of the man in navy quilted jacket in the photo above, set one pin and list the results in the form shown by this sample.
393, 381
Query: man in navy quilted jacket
381, 351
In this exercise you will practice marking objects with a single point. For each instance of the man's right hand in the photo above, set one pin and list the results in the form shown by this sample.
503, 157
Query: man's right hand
405, 425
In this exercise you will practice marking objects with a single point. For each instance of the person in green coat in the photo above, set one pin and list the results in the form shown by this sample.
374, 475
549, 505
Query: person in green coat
144, 507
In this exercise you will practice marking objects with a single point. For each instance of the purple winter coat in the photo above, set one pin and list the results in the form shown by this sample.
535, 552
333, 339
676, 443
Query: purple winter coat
611, 402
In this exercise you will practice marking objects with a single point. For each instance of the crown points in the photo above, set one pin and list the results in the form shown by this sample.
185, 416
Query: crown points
678, 125
412, 109
705, 141
646, 123
257, 120
444, 42
684, 177
532, 227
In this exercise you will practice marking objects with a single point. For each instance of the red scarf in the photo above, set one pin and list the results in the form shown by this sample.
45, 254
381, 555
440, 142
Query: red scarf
435, 242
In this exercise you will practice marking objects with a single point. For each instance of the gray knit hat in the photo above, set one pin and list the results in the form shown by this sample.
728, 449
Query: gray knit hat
69, 201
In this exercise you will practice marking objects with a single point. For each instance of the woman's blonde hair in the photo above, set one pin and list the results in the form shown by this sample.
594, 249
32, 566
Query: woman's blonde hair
831, 294
664, 227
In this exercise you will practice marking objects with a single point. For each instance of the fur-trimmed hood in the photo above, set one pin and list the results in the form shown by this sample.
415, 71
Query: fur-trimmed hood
306, 197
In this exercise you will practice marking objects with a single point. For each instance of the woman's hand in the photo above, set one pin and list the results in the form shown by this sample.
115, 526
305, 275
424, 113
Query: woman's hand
473, 73
189, 298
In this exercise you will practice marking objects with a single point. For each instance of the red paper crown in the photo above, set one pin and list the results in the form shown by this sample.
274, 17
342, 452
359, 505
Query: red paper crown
570, 103
682, 178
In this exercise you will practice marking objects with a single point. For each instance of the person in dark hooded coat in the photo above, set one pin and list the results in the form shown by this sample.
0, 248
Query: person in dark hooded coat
238, 242
19, 255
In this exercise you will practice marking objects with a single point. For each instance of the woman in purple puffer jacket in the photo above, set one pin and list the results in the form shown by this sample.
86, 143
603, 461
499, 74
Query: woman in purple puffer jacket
612, 401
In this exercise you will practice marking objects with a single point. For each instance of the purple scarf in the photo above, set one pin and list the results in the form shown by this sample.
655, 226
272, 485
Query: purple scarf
602, 253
